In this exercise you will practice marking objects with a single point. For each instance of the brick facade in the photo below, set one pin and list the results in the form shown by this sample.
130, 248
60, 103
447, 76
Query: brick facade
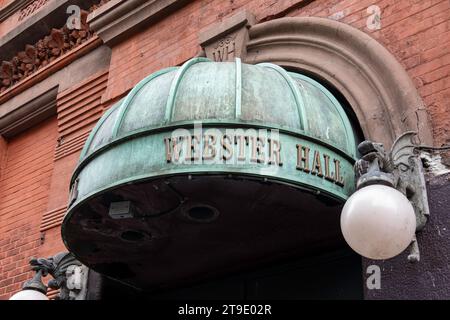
25, 189
36, 165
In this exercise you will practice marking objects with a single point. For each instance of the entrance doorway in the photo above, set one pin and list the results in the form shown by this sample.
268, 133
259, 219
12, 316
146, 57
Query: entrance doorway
335, 275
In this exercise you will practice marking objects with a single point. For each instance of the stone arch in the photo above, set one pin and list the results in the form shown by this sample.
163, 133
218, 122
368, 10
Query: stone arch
377, 87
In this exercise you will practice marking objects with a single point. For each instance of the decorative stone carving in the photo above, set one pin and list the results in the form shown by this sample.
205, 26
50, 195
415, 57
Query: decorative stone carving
42, 53
45, 51
224, 49
76, 282
11, 7
69, 275
98, 5
227, 40
31, 8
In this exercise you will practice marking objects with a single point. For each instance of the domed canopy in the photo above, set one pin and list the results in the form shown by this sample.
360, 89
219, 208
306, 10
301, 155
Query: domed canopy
197, 151
228, 92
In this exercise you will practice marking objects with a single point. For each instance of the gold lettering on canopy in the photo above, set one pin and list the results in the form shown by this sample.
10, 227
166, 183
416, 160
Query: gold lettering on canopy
318, 168
317, 165
274, 152
209, 152
328, 176
227, 148
231, 149
303, 158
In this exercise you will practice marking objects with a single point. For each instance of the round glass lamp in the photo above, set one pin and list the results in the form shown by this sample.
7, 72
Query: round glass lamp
378, 222
33, 289
29, 294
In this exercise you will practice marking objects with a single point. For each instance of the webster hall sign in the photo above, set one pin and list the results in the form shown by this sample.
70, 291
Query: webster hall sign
265, 151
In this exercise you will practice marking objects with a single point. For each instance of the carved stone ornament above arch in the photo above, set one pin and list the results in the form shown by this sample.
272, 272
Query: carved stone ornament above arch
377, 87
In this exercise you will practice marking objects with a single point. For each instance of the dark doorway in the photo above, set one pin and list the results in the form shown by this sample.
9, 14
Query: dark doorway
336, 275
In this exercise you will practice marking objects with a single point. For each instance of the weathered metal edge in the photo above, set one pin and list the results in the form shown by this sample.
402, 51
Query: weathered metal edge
148, 131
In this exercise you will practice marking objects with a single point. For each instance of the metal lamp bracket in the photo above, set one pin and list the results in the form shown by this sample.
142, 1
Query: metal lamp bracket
69, 275
400, 168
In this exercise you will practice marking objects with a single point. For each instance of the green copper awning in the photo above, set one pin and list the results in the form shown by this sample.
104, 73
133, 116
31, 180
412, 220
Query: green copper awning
242, 124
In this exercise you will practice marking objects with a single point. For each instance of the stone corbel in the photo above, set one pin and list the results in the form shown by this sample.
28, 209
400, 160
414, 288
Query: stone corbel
76, 282
227, 40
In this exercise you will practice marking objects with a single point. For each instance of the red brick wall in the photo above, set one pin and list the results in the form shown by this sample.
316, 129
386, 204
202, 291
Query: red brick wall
24, 191
35, 171
79, 109
34, 181
416, 32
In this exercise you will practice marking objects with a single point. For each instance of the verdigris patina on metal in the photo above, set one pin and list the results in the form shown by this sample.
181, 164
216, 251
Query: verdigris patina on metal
196, 152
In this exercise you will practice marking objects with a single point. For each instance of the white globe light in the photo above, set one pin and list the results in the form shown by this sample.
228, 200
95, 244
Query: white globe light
378, 222
29, 295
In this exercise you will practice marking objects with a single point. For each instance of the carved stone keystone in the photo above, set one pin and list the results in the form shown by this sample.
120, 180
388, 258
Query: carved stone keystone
228, 39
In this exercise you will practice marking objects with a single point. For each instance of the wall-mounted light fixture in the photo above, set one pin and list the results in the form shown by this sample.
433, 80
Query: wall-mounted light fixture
69, 275
380, 219
33, 289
